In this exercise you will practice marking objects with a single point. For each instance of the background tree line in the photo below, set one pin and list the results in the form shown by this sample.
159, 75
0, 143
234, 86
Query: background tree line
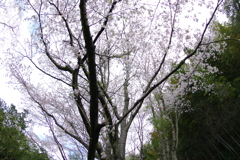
208, 124
14, 143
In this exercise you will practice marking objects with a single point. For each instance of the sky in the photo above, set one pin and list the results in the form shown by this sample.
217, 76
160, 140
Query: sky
13, 16
7, 93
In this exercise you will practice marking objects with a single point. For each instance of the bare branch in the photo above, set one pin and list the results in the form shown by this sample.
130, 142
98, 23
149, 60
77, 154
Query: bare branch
58, 79
105, 22
65, 21
64, 68
110, 102
60, 147
218, 41
54, 119
166, 52
5, 24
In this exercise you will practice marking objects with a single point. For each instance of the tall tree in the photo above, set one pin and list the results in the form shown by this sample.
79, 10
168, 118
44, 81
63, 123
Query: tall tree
14, 144
97, 62
211, 130
205, 112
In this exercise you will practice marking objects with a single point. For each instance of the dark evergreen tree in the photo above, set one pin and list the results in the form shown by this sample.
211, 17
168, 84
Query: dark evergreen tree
14, 144
211, 130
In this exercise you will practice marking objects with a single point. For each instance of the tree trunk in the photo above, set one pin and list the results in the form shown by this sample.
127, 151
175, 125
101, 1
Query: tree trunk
95, 128
122, 144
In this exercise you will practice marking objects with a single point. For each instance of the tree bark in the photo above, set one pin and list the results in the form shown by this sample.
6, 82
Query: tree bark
94, 128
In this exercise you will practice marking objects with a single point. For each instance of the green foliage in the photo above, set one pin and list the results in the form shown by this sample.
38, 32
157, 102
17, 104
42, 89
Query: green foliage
209, 124
14, 145
232, 10
151, 151
161, 144
211, 130
133, 157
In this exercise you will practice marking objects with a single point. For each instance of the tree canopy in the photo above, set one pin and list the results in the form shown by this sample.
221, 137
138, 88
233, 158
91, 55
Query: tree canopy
14, 144
207, 116
88, 69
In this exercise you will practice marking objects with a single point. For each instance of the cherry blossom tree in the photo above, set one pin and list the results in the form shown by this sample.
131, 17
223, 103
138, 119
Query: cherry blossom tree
87, 68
